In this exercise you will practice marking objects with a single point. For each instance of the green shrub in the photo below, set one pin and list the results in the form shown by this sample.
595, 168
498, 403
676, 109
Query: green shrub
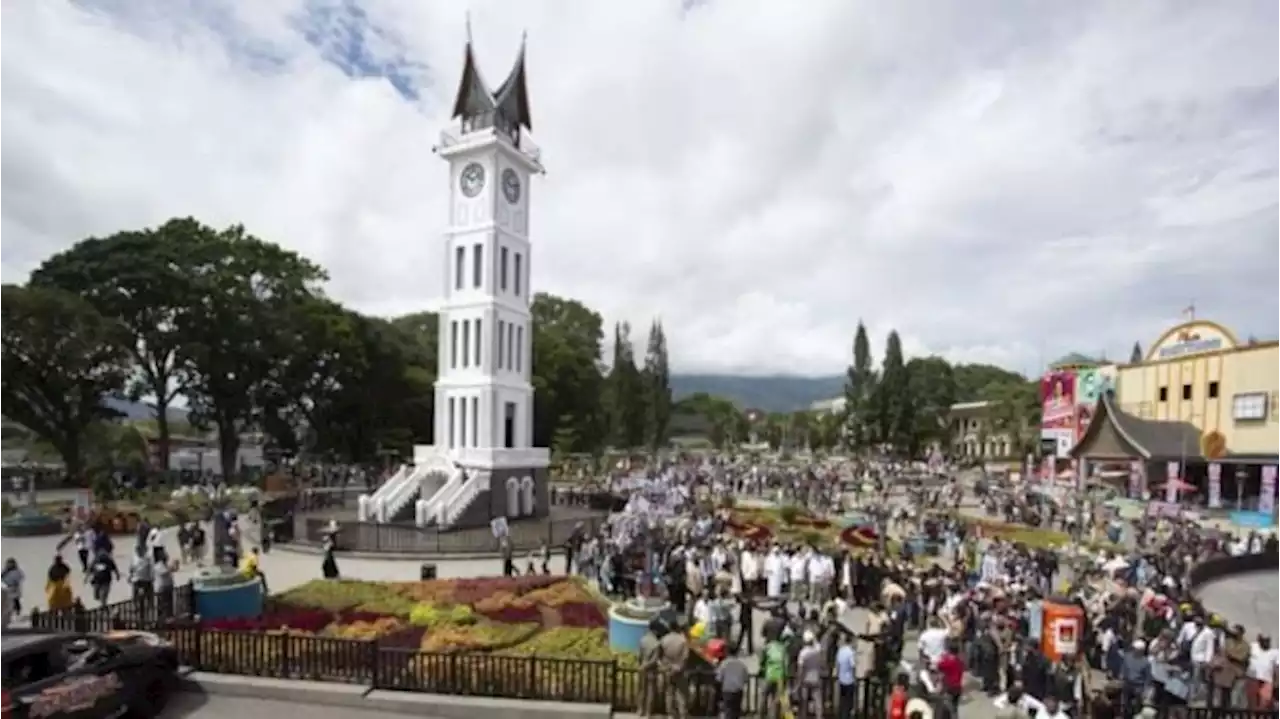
788, 513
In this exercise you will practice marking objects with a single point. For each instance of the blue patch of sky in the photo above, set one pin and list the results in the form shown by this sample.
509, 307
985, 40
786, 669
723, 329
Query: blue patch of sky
340, 31
344, 35
157, 19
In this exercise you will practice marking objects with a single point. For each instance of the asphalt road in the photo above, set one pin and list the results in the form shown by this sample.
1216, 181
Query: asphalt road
209, 706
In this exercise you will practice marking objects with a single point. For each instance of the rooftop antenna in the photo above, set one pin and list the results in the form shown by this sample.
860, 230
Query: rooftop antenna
468, 27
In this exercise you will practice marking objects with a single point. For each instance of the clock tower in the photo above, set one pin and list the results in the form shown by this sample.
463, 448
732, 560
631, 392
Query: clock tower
483, 394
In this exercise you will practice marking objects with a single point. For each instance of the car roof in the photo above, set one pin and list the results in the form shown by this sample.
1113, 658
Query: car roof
17, 641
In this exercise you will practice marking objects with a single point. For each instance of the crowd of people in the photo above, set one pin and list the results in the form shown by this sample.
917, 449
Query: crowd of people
1144, 640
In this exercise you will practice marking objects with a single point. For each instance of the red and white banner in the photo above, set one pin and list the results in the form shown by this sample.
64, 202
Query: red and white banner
1267, 495
1215, 485
1171, 482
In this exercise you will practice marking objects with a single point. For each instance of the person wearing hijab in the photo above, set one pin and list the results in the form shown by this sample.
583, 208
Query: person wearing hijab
57, 588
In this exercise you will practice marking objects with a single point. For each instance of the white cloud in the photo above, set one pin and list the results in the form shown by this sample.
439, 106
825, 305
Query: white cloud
1002, 182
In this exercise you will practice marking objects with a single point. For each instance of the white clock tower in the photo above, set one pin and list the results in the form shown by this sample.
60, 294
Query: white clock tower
483, 395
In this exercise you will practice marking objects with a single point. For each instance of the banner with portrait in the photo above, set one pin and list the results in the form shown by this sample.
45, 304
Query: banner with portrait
1267, 493
1215, 485
1058, 400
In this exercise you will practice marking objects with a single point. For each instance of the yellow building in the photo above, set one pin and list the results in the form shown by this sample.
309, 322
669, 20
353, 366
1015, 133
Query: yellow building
1200, 373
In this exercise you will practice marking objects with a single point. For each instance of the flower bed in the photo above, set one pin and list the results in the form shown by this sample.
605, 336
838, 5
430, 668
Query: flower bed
447, 616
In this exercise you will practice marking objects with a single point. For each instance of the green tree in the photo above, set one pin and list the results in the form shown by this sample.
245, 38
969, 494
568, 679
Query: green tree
657, 379
232, 337
60, 360
1013, 411
567, 377
933, 391
625, 392
143, 280
1135, 356
893, 409
859, 386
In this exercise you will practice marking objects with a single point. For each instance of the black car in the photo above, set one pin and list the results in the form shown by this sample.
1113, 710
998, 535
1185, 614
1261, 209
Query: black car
85, 676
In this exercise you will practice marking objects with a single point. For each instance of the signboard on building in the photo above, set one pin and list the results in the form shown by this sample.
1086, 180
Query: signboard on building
1058, 411
1191, 338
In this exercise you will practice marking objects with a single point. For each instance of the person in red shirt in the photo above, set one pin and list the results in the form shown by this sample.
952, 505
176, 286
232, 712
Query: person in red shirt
898, 698
951, 670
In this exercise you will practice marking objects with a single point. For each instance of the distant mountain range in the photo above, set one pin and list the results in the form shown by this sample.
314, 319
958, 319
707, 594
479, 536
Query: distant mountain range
776, 393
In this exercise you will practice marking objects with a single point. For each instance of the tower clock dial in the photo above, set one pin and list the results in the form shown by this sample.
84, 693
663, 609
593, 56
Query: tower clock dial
511, 185
471, 181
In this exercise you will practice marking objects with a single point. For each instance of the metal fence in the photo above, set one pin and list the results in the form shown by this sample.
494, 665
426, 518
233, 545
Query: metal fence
368, 662
525, 535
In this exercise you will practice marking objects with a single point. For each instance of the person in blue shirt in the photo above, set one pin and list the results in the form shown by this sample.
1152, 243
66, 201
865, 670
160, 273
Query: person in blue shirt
846, 676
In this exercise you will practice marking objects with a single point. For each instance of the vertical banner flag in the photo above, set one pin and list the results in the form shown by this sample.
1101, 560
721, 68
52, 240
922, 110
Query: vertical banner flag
1135, 479
1267, 495
1171, 482
1215, 485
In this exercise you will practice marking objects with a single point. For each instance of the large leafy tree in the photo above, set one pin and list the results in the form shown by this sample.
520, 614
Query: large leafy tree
933, 391
237, 330
567, 379
859, 386
657, 380
61, 359
1014, 411
144, 281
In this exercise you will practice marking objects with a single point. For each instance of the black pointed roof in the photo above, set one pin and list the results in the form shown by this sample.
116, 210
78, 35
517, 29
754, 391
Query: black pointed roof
1151, 439
511, 100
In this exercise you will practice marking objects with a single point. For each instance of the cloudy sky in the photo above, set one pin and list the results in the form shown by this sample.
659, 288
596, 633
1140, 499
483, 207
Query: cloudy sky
1000, 181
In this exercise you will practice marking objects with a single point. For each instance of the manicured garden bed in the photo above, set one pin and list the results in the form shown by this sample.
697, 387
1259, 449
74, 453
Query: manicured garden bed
793, 525
551, 617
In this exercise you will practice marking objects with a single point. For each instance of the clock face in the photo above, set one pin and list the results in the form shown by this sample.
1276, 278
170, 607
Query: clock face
511, 185
471, 181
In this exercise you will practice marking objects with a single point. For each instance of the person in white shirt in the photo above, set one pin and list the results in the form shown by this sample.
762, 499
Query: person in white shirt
1204, 646
796, 568
820, 570
750, 567
932, 642
1035, 708
775, 571
1261, 674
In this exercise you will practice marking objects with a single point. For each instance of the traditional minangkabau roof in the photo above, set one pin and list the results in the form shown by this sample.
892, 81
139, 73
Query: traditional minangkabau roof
1075, 359
1150, 439
510, 100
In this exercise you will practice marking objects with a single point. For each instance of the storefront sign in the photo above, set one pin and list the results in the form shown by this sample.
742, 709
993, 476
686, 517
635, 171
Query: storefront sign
1215, 485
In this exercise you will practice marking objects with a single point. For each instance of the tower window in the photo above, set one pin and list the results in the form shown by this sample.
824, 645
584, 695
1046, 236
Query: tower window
477, 266
459, 267
462, 421
479, 341
475, 421
502, 267
1186, 391
519, 348
511, 334
1213, 390
1164, 394
453, 422
453, 345
517, 277
500, 343
466, 343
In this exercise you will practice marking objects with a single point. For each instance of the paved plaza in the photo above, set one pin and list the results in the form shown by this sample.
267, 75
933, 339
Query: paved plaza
1252, 600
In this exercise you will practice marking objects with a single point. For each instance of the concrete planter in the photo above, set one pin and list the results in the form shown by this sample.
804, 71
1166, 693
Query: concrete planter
626, 630
223, 595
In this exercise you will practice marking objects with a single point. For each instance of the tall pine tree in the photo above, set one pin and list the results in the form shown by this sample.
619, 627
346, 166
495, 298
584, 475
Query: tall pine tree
657, 379
1136, 355
893, 412
859, 387
626, 393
